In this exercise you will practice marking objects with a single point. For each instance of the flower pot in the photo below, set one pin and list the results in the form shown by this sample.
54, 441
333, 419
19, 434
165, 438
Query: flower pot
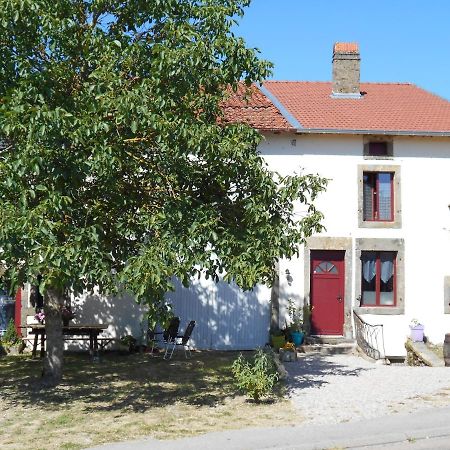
297, 337
287, 355
277, 341
15, 349
417, 333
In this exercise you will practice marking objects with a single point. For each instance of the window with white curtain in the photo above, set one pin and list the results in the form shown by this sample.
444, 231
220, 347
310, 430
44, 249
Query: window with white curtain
378, 278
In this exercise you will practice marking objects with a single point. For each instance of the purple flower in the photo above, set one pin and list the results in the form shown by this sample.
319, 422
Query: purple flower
40, 316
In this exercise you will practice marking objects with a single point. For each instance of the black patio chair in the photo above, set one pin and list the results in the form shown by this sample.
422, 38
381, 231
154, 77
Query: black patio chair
164, 337
181, 340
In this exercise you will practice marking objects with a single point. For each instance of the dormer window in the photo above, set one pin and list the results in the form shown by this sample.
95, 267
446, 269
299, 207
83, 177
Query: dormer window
378, 149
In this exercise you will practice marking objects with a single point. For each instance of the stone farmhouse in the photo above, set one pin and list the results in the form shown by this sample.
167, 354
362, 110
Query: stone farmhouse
385, 148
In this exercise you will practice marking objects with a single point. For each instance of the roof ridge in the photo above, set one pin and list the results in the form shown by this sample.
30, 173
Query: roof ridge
402, 83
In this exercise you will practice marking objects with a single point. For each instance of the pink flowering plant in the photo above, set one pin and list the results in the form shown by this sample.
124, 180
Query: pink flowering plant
40, 316
66, 314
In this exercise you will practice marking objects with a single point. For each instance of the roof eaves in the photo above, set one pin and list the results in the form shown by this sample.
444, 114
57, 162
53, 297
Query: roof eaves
379, 132
290, 119
277, 130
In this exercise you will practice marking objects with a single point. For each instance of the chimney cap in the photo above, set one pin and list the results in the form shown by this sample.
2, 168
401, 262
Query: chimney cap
346, 47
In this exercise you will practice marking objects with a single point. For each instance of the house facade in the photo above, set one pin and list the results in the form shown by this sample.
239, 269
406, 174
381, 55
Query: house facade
385, 149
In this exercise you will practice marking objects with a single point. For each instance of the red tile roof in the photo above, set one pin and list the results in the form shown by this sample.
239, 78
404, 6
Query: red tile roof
388, 107
346, 47
256, 110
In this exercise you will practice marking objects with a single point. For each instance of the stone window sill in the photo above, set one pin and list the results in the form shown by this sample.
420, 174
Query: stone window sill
380, 310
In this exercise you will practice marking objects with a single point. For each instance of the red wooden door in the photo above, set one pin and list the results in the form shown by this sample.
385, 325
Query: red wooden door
327, 292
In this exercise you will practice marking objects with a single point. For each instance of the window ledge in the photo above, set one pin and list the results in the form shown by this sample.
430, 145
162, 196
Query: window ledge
381, 310
379, 224
384, 158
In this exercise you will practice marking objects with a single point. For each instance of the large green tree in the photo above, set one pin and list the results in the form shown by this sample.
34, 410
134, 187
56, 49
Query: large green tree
117, 169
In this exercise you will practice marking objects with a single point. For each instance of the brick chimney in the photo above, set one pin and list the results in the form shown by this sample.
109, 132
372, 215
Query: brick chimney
346, 62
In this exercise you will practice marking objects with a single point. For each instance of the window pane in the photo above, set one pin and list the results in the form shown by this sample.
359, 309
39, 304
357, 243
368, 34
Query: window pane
318, 269
387, 261
325, 267
368, 288
378, 149
369, 298
368, 186
384, 196
387, 298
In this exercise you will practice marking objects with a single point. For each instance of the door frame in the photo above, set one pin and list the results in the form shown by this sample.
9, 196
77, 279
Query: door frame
332, 243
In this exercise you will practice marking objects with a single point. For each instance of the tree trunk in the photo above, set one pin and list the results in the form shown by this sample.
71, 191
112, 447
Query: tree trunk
275, 301
53, 362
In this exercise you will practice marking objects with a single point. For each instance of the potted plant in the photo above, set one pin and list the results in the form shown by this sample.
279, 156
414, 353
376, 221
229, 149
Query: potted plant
296, 324
288, 352
40, 316
66, 314
277, 338
11, 341
416, 330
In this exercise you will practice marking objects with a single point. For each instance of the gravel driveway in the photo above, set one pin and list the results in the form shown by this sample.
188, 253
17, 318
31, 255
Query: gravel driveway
343, 388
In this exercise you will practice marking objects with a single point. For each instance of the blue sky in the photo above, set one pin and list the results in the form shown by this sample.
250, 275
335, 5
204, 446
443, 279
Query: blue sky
400, 40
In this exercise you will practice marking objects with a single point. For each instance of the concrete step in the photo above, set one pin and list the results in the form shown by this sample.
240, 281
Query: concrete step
333, 340
341, 348
423, 354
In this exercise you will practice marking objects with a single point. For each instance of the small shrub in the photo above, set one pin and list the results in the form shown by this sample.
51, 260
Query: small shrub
11, 337
130, 342
256, 378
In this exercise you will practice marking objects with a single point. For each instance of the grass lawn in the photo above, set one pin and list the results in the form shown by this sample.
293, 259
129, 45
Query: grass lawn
125, 397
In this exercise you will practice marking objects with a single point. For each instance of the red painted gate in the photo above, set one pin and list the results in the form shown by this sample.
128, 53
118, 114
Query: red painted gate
327, 292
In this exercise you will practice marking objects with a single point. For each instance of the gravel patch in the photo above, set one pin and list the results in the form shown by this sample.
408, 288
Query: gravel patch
344, 388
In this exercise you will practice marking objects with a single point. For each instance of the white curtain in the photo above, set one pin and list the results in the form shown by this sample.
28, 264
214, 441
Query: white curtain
387, 270
369, 269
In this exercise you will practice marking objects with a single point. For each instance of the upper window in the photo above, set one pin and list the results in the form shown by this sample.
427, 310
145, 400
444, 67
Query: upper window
378, 149
378, 278
378, 196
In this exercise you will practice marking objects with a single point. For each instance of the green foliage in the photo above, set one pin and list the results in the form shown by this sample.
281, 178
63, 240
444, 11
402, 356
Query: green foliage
256, 378
295, 317
11, 337
159, 312
129, 341
118, 171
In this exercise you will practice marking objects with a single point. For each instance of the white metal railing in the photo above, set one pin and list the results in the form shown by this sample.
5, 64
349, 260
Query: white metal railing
370, 338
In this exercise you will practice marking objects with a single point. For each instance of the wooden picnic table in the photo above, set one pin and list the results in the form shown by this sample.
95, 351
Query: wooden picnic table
77, 332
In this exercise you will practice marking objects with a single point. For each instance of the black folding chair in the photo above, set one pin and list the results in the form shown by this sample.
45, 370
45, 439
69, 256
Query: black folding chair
166, 336
181, 340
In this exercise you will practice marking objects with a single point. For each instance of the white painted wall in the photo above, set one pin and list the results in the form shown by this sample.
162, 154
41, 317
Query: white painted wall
425, 196
122, 315
228, 318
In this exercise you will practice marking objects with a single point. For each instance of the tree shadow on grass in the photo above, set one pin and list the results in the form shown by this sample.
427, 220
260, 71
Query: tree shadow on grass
310, 371
135, 382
